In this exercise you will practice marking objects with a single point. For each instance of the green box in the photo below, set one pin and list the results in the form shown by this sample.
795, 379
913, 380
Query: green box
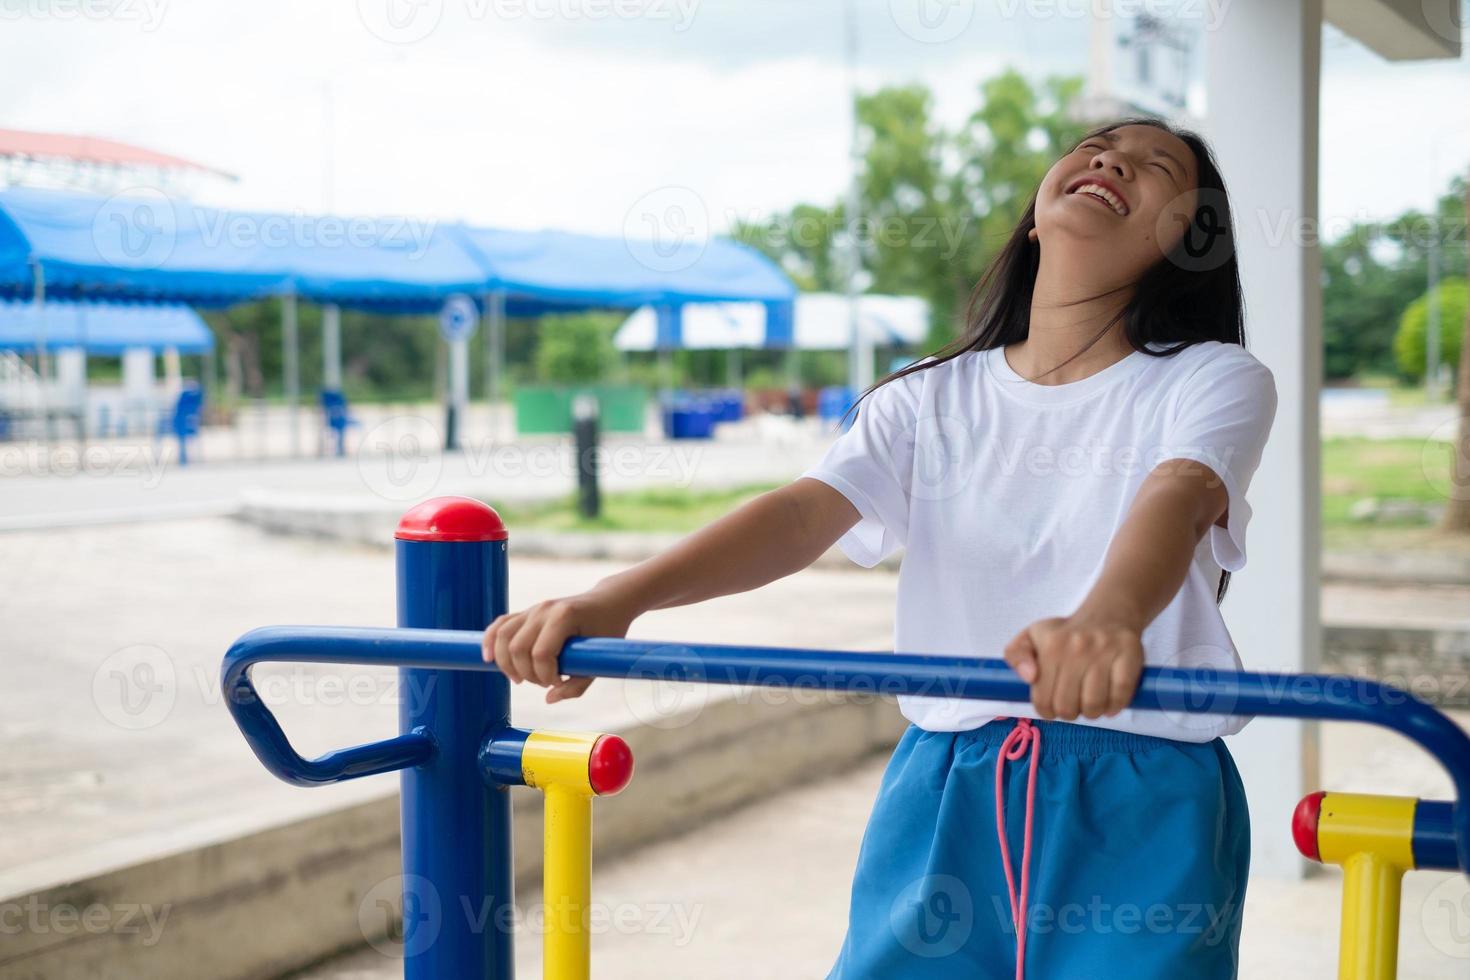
542, 409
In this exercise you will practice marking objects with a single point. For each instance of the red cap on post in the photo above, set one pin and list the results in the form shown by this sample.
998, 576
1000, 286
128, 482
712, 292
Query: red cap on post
1304, 825
451, 519
609, 765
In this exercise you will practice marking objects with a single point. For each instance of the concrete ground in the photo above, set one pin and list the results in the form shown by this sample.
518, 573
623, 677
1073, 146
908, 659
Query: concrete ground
116, 738
114, 637
1425, 606
763, 893
1373, 415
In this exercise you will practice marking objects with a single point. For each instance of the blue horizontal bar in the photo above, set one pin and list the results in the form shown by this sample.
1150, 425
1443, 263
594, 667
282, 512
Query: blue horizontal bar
501, 757
1309, 696
1434, 835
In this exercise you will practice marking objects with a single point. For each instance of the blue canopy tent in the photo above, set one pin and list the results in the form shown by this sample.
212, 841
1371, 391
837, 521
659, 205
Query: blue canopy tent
533, 273
149, 247
74, 331
153, 248
102, 329
547, 271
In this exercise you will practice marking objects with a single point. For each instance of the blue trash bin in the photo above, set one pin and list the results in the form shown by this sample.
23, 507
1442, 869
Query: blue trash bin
729, 405
688, 416
833, 402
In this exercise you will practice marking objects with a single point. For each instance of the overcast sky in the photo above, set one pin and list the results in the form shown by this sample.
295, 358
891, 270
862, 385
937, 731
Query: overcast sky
568, 113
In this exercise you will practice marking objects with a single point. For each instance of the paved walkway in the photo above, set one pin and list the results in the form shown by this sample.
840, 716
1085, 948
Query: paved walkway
395, 463
1364, 413
763, 893
1427, 606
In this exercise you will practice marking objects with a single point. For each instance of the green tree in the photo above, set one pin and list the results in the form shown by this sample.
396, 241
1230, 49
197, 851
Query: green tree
575, 348
937, 203
803, 241
1362, 299
1374, 272
1457, 511
1409, 344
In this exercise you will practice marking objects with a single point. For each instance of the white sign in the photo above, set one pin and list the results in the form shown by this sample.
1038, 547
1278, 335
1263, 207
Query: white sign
458, 318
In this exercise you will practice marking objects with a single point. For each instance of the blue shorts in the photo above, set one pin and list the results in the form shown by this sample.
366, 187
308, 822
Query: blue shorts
1139, 857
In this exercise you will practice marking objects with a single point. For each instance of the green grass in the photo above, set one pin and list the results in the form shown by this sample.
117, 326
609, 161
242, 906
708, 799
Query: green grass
1353, 469
1402, 469
660, 510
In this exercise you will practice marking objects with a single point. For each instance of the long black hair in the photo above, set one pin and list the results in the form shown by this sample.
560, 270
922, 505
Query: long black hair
1192, 294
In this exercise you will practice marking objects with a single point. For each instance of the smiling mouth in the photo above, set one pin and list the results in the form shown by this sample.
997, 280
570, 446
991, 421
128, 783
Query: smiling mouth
1100, 193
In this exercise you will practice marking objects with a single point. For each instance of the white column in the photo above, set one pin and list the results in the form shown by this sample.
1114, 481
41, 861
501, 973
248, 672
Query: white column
459, 378
173, 371
71, 378
1264, 68
332, 347
139, 405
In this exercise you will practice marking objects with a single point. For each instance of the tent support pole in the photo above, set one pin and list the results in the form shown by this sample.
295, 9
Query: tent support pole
38, 296
290, 350
494, 305
859, 343
332, 347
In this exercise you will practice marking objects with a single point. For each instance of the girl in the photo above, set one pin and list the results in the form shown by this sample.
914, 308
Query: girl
1068, 479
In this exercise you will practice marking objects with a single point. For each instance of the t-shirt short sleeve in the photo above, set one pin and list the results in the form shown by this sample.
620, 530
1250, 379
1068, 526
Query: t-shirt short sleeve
871, 464
1222, 417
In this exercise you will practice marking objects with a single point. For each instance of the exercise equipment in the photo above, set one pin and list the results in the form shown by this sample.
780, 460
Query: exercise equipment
457, 752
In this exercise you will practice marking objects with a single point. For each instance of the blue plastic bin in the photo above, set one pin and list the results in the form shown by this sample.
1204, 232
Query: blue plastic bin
689, 416
833, 402
731, 405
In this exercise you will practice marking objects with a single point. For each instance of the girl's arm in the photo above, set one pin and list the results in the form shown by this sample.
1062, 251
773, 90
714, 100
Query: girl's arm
770, 537
1088, 663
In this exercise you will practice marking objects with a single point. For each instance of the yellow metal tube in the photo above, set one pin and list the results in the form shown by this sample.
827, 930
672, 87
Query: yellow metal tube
1369, 946
1372, 839
570, 768
567, 883
553, 758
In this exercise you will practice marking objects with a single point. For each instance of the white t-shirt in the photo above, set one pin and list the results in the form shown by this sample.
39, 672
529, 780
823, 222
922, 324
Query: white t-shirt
1005, 495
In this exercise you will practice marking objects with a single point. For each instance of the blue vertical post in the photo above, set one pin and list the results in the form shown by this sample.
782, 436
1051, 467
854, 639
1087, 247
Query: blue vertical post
457, 892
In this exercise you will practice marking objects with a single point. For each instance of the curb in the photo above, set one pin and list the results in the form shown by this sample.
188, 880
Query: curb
1396, 567
349, 521
1433, 664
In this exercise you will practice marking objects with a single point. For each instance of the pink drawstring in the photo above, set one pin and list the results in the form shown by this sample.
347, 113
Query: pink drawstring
1024, 738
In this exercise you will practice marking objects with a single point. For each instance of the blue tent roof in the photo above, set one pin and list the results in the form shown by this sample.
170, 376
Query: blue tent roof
150, 247
543, 270
105, 329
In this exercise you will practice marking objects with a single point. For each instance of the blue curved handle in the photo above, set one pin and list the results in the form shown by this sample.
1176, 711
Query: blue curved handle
324, 645
1322, 697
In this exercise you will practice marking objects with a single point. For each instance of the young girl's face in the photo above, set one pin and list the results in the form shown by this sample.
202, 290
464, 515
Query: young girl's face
1130, 192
